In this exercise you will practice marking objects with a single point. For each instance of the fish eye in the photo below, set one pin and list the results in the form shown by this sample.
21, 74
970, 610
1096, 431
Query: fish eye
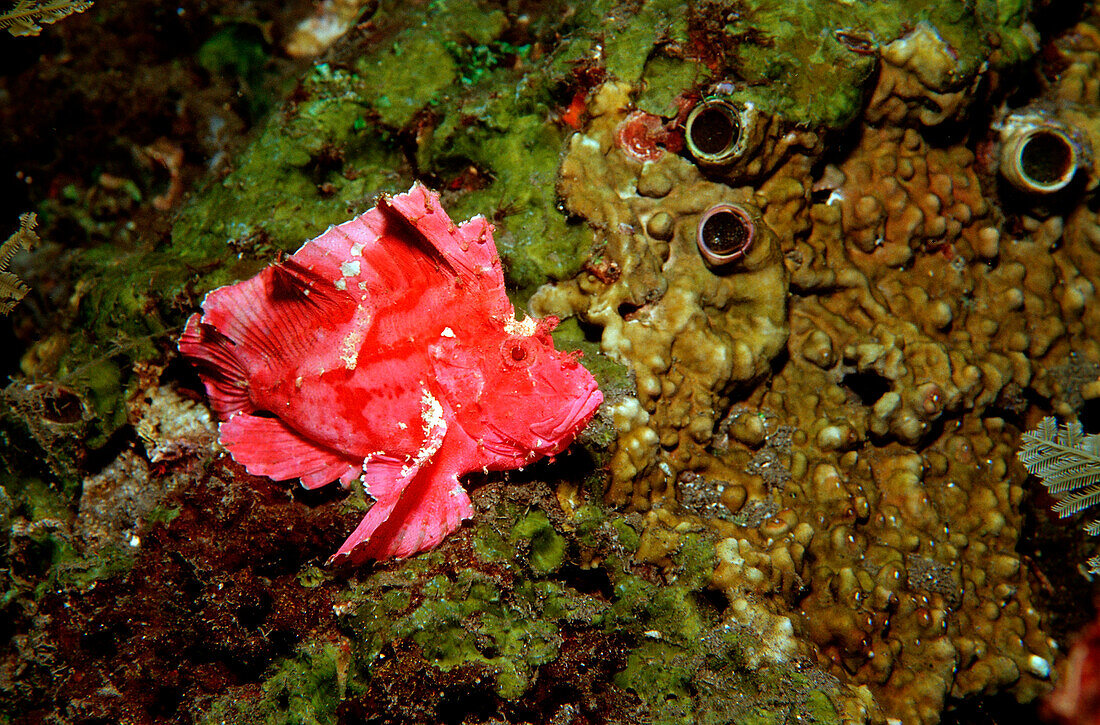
517, 352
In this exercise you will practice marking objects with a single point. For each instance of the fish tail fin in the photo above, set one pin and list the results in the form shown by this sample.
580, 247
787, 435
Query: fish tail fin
222, 372
408, 519
258, 324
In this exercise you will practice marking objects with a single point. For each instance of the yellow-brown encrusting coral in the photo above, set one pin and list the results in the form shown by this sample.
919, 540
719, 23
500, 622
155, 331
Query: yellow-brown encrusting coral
692, 333
840, 408
921, 80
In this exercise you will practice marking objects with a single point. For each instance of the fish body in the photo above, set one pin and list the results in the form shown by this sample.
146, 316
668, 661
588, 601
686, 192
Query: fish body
387, 349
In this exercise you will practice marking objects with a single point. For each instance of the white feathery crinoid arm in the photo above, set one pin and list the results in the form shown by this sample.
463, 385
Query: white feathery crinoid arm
1067, 462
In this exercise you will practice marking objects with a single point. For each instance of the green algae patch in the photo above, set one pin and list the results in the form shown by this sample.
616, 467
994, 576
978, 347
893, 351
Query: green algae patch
305, 689
547, 548
411, 73
470, 620
42, 558
695, 561
669, 613
809, 62
665, 79
313, 165
710, 681
499, 146
507, 614
633, 35
661, 675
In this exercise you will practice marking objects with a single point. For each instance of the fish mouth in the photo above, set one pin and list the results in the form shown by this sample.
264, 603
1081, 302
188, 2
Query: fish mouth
557, 430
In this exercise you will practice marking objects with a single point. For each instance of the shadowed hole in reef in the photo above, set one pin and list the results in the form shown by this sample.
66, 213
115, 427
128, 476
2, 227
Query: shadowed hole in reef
991, 709
592, 333
594, 582
167, 701
1089, 415
101, 639
468, 702
715, 599
61, 405
314, 497
628, 308
868, 386
252, 613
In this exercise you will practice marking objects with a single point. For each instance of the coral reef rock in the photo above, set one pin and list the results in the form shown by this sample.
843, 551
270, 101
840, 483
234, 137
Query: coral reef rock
840, 406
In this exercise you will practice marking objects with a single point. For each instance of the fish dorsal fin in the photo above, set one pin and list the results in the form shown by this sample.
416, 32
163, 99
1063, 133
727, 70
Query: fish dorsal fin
467, 248
393, 210
295, 284
406, 250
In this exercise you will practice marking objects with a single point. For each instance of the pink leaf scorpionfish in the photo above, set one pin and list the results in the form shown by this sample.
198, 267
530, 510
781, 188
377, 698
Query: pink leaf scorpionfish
386, 348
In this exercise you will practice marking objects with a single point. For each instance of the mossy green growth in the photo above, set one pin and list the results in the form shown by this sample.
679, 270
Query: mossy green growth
510, 615
315, 164
666, 78
789, 59
695, 561
502, 127
468, 618
302, 690
668, 612
407, 76
709, 681
238, 49
661, 674
546, 547
49, 561
634, 29
36, 499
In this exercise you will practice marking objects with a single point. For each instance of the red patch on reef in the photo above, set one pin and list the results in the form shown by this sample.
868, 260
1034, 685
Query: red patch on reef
211, 602
387, 349
586, 76
646, 137
573, 115
1076, 701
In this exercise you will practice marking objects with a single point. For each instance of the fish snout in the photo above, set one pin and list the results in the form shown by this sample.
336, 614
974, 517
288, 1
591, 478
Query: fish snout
558, 429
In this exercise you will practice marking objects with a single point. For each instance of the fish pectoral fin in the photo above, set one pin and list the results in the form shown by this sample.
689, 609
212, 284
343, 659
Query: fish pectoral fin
416, 518
269, 447
417, 501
